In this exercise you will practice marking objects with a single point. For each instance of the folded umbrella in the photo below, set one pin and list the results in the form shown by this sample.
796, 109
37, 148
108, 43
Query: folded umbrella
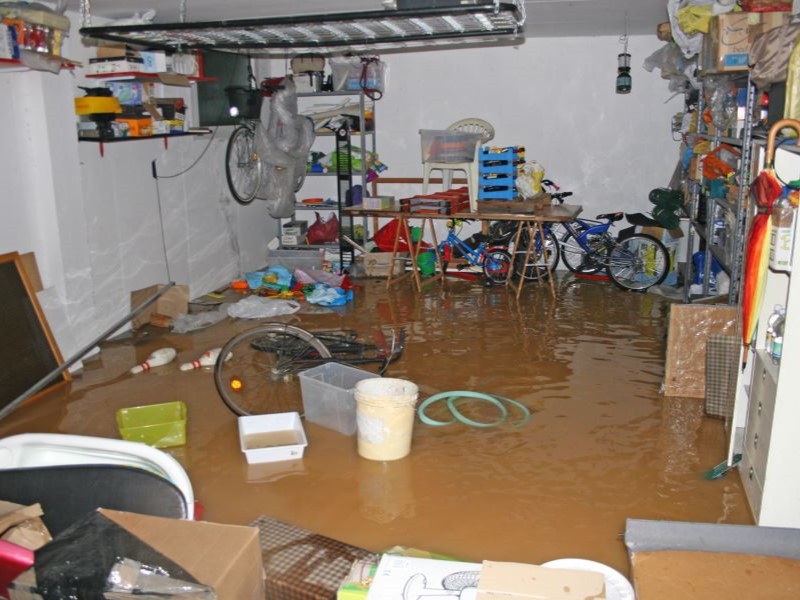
765, 189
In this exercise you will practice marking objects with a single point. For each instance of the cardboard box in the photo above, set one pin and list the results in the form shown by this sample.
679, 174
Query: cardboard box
138, 127
503, 580
726, 47
172, 303
712, 562
292, 240
379, 203
295, 228
224, 557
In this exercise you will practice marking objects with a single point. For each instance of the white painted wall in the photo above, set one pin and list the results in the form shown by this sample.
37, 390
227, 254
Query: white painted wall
555, 97
95, 222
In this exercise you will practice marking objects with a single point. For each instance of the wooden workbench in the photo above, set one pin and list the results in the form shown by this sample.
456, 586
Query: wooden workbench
528, 218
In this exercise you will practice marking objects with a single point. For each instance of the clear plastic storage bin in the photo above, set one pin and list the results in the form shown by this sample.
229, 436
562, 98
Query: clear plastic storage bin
445, 146
328, 398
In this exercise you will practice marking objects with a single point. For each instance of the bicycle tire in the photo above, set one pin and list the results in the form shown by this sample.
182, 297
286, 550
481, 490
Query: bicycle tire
260, 380
496, 264
534, 270
242, 165
574, 256
638, 262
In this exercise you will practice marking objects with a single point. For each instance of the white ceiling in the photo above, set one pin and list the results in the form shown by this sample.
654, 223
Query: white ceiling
545, 18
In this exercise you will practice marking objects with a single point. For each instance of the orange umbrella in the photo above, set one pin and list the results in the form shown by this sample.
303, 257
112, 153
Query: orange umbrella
765, 189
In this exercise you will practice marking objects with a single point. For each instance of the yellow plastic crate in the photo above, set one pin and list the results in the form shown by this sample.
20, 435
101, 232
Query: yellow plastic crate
158, 425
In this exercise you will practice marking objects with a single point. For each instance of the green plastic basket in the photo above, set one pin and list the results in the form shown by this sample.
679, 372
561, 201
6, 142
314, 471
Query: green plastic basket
158, 425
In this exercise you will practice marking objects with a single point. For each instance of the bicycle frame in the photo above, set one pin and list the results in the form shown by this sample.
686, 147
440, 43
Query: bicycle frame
476, 257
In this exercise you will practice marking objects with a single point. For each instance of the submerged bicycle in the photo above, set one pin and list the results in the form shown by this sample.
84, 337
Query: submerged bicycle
633, 261
259, 373
490, 255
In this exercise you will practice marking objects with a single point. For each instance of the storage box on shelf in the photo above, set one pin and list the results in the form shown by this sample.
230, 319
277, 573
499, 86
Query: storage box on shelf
497, 170
726, 47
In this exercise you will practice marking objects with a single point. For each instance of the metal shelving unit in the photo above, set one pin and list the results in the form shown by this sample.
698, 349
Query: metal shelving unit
351, 32
728, 255
345, 177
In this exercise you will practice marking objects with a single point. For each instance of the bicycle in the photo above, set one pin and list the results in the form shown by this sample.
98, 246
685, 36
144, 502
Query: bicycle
244, 170
540, 263
633, 261
256, 371
492, 258
242, 162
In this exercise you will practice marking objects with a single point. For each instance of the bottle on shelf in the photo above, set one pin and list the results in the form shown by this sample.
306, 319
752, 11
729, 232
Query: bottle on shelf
777, 339
782, 234
770, 332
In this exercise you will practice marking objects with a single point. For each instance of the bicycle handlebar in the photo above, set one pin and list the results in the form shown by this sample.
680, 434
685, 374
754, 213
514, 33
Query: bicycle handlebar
559, 197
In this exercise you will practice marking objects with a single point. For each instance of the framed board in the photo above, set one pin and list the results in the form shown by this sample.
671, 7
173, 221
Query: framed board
28, 351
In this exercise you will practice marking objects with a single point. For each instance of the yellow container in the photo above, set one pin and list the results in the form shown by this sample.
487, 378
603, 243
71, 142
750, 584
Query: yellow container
158, 425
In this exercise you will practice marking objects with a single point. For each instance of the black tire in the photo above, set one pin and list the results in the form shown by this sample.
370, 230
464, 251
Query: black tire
535, 269
638, 262
261, 375
496, 264
573, 255
243, 165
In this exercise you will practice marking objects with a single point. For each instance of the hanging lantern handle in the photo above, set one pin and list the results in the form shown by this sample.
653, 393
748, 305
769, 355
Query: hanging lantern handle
773, 134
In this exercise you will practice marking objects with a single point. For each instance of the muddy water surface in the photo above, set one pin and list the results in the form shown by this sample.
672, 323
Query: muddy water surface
602, 444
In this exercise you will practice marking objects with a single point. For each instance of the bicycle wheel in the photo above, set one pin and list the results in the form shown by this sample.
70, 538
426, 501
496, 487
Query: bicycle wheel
496, 264
638, 262
260, 376
574, 256
539, 263
242, 165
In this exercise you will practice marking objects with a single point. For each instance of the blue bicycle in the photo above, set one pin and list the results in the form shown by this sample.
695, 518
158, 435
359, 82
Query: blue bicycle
633, 261
491, 256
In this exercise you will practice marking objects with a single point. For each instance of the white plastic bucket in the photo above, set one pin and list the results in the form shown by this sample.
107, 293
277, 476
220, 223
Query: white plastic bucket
385, 412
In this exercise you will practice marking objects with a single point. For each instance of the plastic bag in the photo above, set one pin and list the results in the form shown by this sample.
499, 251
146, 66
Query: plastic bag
193, 322
326, 295
322, 231
256, 307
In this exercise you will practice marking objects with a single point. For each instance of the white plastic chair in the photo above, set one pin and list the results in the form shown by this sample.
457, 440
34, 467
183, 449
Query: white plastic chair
469, 125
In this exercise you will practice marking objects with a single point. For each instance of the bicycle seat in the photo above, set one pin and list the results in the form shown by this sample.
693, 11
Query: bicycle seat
615, 216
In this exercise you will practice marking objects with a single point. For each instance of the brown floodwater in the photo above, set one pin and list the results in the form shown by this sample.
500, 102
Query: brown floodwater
602, 444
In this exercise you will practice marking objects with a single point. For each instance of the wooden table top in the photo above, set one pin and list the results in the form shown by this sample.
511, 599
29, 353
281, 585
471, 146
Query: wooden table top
517, 211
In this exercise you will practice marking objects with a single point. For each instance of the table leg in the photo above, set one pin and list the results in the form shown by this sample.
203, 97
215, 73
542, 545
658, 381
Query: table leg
413, 250
543, 239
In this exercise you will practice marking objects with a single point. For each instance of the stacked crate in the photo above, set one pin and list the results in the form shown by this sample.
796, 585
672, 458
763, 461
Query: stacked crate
497, 172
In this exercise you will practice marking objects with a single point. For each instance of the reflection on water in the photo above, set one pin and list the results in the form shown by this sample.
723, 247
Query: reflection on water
602, 444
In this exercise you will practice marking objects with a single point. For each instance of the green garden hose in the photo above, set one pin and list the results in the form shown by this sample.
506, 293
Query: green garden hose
451, 398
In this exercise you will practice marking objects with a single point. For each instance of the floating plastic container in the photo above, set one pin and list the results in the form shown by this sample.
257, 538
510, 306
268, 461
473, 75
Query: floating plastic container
328, 398
159, 425
272, 438
444, 146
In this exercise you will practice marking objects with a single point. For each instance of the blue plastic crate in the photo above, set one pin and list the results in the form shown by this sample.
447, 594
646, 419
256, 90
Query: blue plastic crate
508, 194
492, 179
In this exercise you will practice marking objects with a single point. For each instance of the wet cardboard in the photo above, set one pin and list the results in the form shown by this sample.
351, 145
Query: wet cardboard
174, 302
224, 557
517, 581
664, 556
690, 326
